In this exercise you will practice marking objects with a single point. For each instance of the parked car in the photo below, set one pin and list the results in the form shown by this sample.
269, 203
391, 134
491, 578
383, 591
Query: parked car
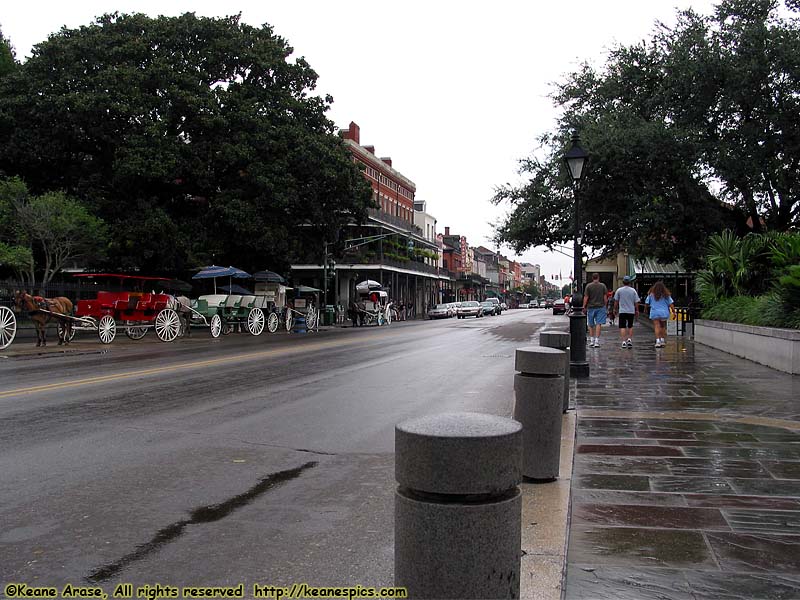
489, 308
542, 303
496, 302
471, 308
548, 303
440, 311
524, 305
453, 306
559, 307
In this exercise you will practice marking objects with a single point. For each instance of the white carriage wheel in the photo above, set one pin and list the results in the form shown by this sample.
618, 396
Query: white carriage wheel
136, 333
289, 320
272, 322
168, 325
388, 317
216, 326
61, 327
255, 321
107, 329
311, 318
8, 327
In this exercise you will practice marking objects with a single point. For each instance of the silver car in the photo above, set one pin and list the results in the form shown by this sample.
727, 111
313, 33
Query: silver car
469, 309
440, 311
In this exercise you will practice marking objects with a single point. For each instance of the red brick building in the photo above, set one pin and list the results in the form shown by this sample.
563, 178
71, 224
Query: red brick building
390, 189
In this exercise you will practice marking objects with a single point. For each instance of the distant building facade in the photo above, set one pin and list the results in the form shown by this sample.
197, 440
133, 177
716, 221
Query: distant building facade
404, 254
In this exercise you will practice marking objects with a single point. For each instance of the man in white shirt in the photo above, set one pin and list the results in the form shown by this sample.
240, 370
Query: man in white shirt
626, 305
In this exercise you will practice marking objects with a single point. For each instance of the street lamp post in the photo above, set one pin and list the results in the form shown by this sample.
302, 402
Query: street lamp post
576, 159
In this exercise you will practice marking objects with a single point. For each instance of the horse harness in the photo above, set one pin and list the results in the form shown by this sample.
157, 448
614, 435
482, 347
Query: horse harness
42, 304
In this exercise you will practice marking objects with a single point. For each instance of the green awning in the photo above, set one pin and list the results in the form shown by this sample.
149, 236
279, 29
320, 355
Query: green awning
492, 293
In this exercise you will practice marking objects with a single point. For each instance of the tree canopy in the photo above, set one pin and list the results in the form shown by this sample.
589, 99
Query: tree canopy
195, 139
690, 132
8, 61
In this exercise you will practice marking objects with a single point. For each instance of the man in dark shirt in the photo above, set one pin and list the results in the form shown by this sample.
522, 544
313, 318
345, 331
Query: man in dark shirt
594, 304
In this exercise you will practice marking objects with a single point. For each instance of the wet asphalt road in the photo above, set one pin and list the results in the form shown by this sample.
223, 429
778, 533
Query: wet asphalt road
239, 460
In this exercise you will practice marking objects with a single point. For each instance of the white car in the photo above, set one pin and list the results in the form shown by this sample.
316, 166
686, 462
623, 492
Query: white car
469, 309
524, 305
440, 311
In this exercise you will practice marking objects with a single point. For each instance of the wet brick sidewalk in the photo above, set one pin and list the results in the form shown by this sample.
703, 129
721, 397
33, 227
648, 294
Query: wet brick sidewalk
686, 478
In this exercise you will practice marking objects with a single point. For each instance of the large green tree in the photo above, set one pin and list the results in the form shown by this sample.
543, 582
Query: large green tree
691, 132
39, 235
196, 139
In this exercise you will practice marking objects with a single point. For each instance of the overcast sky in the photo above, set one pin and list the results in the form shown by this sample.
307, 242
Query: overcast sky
454, 92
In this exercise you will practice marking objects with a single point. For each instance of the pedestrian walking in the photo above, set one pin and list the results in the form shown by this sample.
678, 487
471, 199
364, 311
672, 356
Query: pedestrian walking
659, 301
594, 304
626, 305
610, 307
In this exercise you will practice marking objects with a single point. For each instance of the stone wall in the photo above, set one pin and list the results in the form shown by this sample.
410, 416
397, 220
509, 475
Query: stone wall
776, 348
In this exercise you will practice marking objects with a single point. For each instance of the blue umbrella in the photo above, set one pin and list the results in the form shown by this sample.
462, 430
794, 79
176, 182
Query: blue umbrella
213, 271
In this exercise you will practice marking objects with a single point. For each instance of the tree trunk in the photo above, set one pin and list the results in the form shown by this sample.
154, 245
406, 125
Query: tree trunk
752, 211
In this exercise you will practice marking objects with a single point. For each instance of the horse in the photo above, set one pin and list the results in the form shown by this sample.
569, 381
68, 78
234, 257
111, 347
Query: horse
42, 311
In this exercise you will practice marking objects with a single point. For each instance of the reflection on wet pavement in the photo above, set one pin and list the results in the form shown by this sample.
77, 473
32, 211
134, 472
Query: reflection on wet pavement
686, 477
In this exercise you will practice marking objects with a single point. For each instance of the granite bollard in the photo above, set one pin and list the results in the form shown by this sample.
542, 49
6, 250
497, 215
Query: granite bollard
560, 341
458, 509
538, 391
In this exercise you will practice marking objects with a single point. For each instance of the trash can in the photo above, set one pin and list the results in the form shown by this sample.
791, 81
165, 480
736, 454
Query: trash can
299, 324
329, 316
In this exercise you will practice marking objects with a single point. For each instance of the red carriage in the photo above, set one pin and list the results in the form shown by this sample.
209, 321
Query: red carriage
134, 311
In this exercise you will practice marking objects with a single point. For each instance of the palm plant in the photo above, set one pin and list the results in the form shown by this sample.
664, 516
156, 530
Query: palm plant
755, 279
736, 266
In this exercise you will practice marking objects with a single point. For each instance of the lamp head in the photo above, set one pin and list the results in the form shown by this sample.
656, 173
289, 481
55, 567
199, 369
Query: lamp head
576, 158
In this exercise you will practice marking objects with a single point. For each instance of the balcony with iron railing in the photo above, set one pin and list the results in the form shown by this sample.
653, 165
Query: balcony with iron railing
394, 220
376, 257
472, 278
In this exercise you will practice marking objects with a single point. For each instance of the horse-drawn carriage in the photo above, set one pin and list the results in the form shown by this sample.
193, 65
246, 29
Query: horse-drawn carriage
223, 313
136, 312
282, 309
373, 306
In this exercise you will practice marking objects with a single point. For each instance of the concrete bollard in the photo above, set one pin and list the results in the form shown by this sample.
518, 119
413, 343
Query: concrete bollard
538, 390
458, 509
560, 341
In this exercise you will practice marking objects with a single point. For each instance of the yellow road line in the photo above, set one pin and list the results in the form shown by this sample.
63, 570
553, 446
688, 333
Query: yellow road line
190, 365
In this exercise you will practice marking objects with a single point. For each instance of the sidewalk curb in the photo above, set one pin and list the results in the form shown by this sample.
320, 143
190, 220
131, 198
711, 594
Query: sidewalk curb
545, 525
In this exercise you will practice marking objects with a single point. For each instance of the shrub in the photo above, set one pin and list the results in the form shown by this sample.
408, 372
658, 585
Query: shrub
753, 280
768, 310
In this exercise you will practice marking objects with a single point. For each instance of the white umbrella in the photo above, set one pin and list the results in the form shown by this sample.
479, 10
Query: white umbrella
368, 286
